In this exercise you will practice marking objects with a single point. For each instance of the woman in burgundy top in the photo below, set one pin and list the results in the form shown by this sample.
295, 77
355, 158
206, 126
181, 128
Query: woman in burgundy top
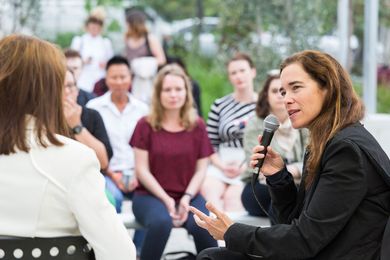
171, 149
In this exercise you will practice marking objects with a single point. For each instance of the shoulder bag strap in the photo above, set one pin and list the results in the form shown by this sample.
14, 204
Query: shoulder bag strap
148, 46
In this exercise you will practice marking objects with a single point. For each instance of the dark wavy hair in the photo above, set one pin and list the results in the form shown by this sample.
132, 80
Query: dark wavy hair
262, 105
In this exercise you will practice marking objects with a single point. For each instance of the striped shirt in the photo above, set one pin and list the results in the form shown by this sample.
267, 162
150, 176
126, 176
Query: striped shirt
227, 120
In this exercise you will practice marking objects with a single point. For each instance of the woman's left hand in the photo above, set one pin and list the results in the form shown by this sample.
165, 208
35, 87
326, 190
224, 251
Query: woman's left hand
215, 225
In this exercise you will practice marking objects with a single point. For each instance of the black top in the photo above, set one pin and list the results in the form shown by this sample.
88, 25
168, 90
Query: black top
93, 122
342, 215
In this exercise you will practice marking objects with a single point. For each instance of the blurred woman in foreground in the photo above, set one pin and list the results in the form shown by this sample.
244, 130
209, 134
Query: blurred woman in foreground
60, 191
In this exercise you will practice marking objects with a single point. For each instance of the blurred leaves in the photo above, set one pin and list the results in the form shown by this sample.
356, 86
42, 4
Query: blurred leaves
181, 9
287, 26
90, 4
25, 13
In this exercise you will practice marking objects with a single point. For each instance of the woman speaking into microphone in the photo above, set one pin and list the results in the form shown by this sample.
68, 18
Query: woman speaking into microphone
342, 205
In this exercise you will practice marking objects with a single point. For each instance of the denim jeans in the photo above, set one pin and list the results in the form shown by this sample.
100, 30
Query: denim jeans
152, 213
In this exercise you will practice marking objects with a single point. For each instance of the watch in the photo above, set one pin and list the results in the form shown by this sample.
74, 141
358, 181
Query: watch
77, 129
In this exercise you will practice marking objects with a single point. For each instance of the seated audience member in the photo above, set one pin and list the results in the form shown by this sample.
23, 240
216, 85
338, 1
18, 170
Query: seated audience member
171, 150
75, 64
288, 142
86, 124
60, 189
120, 112
225, 126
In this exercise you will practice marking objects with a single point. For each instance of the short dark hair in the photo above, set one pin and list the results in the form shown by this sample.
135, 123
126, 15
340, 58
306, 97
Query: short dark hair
241, 56
117, 60
70, 53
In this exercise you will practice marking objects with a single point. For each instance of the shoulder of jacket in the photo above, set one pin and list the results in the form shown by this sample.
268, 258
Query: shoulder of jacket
74, 145
355, 134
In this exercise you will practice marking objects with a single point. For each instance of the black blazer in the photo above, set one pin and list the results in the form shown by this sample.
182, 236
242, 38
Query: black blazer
341, 216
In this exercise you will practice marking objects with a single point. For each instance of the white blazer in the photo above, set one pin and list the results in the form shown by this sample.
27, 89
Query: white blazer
59, 191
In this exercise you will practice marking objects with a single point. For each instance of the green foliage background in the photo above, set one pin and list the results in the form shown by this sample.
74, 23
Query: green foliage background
241, 21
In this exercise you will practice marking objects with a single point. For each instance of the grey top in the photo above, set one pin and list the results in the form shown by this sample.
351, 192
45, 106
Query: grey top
141, 51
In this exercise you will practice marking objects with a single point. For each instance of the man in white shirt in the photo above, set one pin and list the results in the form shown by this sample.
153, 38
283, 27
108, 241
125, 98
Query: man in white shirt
120, 111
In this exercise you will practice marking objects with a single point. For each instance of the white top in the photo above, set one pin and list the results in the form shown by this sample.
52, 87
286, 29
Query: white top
120, 127
59, 191
97, 48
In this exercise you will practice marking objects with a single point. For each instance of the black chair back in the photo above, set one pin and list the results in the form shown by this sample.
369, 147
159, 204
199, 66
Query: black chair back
61, 248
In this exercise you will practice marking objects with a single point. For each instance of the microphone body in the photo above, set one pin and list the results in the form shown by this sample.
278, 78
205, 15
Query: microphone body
265, 141
271, 124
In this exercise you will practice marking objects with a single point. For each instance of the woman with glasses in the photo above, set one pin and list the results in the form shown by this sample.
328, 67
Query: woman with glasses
86, 124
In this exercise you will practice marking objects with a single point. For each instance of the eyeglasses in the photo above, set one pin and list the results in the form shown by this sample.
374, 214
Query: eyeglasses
70, 86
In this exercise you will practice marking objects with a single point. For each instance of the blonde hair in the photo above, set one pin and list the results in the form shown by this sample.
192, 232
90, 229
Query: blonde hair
188, 113
341, 107
32, 74
99, 13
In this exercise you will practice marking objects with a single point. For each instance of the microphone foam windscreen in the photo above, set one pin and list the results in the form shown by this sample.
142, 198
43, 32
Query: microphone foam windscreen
271, 123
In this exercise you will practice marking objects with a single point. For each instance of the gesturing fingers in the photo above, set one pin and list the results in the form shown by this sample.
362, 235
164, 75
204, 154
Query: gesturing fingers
214, 210
199, 214
227, 222
200, 222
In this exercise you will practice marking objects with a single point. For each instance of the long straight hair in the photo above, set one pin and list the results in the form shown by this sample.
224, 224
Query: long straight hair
136, 25
32, 73
341, 107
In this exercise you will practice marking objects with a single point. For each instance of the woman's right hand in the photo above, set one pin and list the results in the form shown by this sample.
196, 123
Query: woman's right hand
273, 162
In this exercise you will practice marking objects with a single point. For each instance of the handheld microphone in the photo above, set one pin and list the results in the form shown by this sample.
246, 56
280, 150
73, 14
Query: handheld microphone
271, 124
